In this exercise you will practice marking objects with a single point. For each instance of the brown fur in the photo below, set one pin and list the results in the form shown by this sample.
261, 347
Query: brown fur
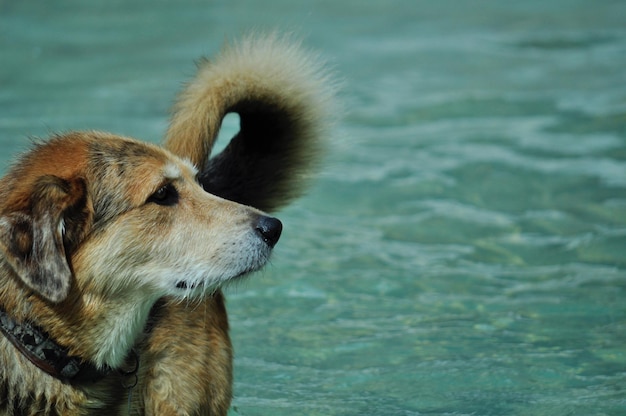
119, 253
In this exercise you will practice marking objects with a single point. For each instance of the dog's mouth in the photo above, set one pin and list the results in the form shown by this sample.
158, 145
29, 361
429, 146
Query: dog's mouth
183, 284
188, 285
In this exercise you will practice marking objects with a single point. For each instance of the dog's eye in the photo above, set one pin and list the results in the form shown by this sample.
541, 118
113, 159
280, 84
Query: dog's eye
165, 195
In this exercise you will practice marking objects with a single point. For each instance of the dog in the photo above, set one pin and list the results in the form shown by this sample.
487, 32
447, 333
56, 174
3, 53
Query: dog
113, 251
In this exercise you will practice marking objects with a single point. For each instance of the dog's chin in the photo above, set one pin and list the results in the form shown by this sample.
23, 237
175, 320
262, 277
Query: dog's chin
199, 288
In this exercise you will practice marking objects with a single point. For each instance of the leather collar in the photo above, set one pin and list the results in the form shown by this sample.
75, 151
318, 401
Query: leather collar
52, 358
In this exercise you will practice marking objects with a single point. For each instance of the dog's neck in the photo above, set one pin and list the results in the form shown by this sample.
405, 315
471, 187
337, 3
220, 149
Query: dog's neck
124, 328
73, 326
55, 360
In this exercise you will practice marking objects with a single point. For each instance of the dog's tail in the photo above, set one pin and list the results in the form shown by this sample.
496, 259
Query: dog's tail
283, 96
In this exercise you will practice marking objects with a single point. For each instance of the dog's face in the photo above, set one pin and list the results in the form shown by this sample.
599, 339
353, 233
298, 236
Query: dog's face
120, 218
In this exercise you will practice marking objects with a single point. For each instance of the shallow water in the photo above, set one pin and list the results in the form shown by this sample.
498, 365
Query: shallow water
462, 252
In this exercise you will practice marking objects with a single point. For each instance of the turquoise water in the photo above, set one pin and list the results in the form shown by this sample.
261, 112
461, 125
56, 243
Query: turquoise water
462, 252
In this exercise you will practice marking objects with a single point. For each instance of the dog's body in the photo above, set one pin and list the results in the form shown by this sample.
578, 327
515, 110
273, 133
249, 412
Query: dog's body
111, 248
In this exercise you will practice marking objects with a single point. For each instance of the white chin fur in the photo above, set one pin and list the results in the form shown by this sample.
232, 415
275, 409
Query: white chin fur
184, 281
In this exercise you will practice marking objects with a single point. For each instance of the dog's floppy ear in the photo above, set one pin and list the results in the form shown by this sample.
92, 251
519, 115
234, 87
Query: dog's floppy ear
35, 236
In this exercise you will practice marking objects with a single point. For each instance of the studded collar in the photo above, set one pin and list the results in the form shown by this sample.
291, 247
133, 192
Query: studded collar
41, 350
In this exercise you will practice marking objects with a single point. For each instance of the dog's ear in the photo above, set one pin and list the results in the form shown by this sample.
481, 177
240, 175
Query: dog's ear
35, 236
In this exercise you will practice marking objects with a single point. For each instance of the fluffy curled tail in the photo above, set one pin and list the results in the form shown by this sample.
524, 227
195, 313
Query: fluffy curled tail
283, 96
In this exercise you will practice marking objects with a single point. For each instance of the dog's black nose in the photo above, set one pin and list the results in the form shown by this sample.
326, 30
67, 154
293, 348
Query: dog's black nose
269, 228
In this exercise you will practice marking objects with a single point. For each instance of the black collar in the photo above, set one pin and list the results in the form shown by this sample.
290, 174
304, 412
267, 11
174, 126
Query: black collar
52, 358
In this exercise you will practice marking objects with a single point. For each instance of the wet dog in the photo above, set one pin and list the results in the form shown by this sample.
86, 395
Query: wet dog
113, 251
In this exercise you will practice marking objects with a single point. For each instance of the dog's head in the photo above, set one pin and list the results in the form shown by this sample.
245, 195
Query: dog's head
114, 216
